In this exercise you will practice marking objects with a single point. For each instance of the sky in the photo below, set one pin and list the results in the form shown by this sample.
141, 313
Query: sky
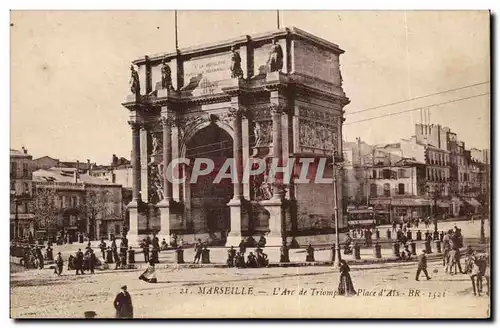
70, 70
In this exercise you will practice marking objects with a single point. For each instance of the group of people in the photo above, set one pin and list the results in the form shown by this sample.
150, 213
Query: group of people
81, 262
33, 257
113, 253
237, 258
452, 242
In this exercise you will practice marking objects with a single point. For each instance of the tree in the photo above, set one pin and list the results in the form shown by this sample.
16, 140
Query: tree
45, 207
97, 204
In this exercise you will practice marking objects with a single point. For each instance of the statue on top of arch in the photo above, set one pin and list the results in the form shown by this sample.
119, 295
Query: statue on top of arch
275, 61
166, 76
135, 86
236, 71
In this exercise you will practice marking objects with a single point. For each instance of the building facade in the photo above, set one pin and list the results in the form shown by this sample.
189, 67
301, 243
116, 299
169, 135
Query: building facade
81, 203
274, 95
21, 216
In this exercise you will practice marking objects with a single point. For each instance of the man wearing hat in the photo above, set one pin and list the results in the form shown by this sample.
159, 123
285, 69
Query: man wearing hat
123, 304
422, 265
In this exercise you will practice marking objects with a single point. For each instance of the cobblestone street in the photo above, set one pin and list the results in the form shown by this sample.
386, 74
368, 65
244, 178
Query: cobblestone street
194, 293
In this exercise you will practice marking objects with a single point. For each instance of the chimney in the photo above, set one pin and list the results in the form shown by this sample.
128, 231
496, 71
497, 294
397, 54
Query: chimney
25, 151
113, 177
114, 161
89, 168
76, 171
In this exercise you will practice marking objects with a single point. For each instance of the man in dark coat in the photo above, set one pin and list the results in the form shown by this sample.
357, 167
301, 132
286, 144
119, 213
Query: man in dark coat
92, 261
156, 242
145, 250
422, 266
79, 262
123, 305
198, 247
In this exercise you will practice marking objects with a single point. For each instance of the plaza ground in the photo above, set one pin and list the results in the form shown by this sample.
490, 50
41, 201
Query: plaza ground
386, 289
41, 294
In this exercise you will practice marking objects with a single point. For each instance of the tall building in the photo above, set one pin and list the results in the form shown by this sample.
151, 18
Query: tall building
21, 216
272, 95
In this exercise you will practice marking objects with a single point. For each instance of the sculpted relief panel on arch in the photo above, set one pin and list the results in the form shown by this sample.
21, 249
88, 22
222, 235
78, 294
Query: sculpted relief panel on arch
318, 129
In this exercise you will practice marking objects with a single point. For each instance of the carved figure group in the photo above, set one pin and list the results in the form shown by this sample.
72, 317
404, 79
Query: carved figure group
135, 87
236, 71
156, 182
263, 188
275, 61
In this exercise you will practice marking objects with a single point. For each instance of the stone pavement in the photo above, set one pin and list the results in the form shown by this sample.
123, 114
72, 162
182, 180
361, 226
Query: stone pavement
188, 293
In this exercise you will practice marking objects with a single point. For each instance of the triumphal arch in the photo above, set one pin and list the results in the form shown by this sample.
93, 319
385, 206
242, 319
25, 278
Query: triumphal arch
275, 95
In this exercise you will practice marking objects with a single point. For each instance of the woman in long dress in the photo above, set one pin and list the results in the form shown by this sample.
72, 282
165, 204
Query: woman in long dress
150, 274
346, 286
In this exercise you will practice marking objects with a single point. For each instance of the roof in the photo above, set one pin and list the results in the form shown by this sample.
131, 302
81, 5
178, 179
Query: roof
57, 174
18, 153
281, 33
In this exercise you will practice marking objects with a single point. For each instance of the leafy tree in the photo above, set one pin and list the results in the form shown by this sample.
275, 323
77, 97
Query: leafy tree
44, 205
97, 204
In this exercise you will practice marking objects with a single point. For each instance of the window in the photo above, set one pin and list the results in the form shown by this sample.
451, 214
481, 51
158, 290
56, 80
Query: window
73, 201
374, 174
401, 188
402, 173
13, 169
373, 190
386, 174
25, 170
13, 185
27, 188
387, 190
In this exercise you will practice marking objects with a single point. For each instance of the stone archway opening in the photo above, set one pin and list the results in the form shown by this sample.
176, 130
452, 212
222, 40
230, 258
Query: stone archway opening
209, 212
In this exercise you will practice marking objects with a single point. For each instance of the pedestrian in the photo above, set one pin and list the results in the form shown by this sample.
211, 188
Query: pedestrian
198, 247
231, 254
394, 226
145, 250
346, 287
156, 242
114, 248
422, 265
71, 263
109, 255
123, 304
39, 257
102, 246
79, 262
242, 246
164, 245
59, 264
150, 274
92, 261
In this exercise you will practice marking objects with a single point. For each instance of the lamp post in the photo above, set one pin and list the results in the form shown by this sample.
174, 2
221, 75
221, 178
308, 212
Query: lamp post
337, 162
435, 195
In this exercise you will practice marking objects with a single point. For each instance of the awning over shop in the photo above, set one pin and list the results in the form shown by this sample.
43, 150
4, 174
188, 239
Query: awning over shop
473, 202
22, 216
406, 202
443, 203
